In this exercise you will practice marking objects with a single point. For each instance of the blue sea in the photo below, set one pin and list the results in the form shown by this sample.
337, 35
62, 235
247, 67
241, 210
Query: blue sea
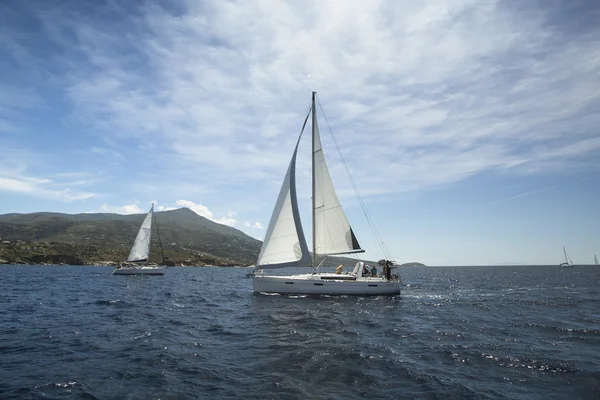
69, 332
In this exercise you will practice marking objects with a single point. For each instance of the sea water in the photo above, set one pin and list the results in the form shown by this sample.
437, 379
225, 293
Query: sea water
69, 332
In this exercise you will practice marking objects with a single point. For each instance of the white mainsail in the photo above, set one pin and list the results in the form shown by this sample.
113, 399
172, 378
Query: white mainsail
595, 260
285, 244
141, 246
333, 234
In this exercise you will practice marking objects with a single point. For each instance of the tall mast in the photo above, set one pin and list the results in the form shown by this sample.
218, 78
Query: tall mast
158, 234
314, 225
150, 234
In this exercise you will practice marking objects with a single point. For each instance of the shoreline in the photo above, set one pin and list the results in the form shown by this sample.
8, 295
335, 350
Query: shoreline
110, 264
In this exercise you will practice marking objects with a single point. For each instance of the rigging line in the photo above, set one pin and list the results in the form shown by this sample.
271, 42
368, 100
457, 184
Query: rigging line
386, 252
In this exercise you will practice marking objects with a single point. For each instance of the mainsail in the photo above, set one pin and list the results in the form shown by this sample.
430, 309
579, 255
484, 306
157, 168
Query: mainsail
333, 234
285, 244
141, 246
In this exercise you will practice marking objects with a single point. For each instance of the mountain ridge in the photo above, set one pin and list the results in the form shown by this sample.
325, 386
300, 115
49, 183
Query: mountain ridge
187, 237
106, 238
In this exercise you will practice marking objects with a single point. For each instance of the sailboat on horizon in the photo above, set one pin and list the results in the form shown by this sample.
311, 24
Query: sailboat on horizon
596, 260
285, 245
137, 262
568, 262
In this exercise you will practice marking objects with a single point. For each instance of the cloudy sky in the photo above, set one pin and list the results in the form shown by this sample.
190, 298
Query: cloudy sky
471, 128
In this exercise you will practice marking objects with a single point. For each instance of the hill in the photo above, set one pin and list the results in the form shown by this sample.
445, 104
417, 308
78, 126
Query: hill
412, 264
102, 238
187, 238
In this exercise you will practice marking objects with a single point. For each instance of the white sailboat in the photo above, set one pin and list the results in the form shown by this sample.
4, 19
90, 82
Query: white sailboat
137, 262
596, 260
568, 262
285, 244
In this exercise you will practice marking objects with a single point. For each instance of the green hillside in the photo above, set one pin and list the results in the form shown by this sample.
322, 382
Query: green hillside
187, 239
92, 239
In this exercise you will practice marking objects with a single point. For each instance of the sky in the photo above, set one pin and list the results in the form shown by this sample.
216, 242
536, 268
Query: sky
470, 128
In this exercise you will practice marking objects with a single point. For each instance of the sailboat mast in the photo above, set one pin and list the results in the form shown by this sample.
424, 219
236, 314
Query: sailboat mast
158, 234
314, 225
150, 235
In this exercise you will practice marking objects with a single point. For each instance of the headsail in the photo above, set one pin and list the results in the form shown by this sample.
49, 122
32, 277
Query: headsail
141, 246
285, 244
333, 234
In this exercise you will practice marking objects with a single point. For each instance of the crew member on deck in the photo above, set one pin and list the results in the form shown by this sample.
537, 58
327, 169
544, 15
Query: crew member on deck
387, 270
374, 270
365, 271
339, 268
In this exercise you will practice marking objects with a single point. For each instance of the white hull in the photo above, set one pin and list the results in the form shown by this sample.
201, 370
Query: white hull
140, 271
325, 284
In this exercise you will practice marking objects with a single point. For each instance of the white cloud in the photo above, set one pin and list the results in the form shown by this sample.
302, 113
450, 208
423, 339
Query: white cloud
419, 95
42, 187
132, 208
229, 220
257, 225
203, 211
163, 208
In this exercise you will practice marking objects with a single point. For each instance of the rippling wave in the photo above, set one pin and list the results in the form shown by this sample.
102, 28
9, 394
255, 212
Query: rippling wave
464, 333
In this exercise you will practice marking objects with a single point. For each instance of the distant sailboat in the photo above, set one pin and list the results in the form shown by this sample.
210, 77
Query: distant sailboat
596, 260
137, 262
285, 244
568, 262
